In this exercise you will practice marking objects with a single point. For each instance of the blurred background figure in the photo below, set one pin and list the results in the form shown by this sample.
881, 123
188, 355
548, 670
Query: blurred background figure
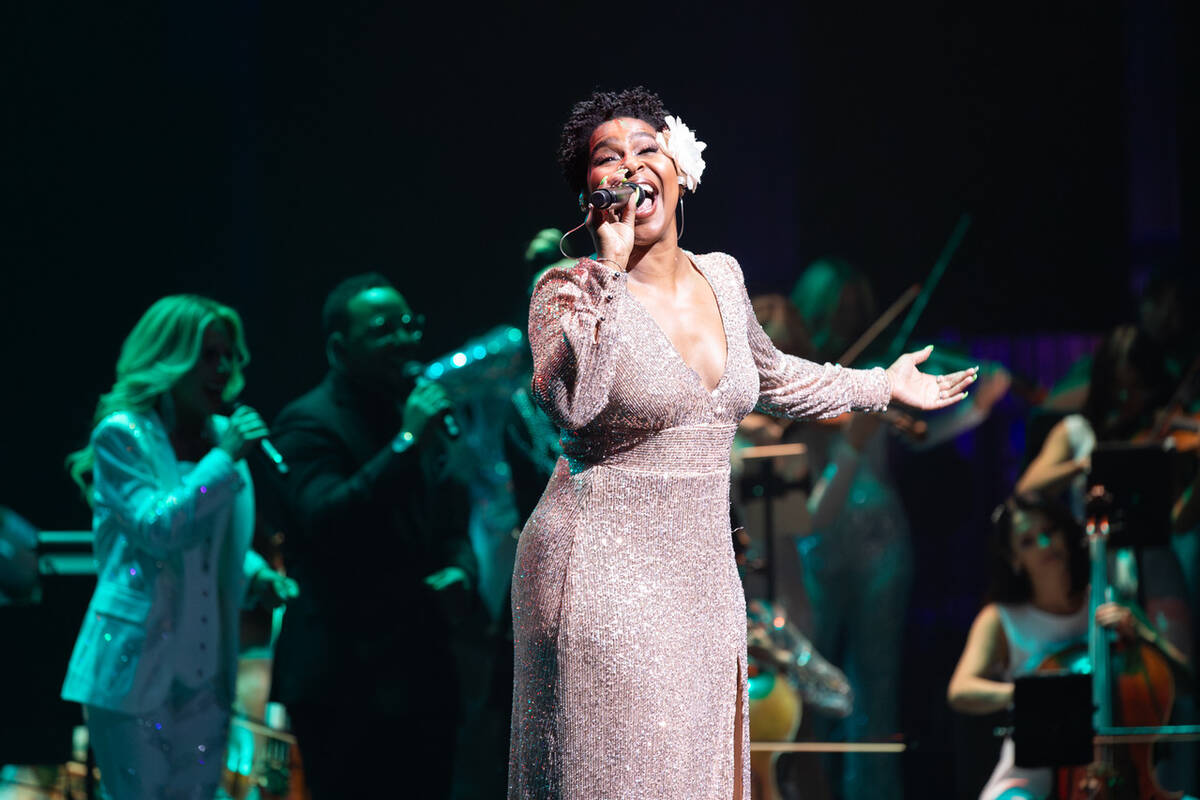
1128, 388
850, 585
18, 557
1131, 384
1036, 610
377, 540
173, 512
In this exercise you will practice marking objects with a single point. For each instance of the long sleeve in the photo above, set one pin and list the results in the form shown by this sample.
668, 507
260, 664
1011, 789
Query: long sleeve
572, 333
801, 389
157, 520
252, 564
322, 491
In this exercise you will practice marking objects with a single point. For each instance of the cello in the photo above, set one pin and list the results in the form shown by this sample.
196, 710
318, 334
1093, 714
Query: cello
1132, 685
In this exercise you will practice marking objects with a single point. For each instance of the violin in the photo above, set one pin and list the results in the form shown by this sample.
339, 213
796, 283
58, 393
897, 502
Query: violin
1174, 423
1182, 430
900, 422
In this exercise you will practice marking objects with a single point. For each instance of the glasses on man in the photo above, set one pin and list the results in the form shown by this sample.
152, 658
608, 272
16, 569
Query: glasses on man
384, 327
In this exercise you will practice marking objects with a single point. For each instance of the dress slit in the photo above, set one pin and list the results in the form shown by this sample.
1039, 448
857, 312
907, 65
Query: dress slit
738, 739
627, 560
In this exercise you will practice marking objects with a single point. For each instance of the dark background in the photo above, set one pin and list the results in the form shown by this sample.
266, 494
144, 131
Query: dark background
260, 151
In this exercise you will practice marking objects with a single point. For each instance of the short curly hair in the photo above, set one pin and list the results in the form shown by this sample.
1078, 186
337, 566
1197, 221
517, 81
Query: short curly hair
637, 102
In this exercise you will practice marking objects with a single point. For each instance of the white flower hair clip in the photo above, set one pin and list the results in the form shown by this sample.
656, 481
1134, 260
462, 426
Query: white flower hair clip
682, 146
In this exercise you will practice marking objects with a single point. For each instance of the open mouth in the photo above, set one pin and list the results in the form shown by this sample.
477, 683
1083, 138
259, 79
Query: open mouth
649, 202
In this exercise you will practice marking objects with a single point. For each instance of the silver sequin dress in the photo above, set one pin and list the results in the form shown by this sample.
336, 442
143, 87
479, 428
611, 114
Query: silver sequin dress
628, 613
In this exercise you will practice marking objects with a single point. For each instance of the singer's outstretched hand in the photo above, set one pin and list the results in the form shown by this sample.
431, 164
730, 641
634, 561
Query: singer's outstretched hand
245, 428
612, 229
918, 390
426, 401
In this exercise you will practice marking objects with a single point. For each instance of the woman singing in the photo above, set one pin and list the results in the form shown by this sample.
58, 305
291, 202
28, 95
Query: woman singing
629, 617
173, 514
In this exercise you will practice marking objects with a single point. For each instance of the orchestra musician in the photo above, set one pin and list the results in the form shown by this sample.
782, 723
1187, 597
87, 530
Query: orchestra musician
1036, 607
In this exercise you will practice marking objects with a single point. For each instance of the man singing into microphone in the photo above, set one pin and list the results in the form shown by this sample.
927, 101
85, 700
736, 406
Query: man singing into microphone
377, 539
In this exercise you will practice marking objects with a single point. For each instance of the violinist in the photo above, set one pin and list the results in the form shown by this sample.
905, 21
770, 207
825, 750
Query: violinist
855, 552
1037, 607
1163, 314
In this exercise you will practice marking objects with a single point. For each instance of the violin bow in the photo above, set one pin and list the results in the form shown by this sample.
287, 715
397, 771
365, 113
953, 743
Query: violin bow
939, 269
878, 326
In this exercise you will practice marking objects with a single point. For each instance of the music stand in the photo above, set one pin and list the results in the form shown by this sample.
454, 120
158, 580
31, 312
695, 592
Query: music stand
767, 486
1137, 502
1052, 720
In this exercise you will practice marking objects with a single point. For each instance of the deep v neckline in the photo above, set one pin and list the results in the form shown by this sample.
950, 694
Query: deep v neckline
671, 345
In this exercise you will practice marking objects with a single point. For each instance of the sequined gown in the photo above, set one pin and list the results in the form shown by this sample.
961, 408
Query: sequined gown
629, 617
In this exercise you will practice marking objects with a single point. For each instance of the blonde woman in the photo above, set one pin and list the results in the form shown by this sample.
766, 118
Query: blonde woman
173, 510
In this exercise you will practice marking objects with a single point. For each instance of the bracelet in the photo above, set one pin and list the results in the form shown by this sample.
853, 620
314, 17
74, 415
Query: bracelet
611, 261
403, 441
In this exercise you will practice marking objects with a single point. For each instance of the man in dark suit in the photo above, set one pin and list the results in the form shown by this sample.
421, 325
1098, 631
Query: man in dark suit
377, 539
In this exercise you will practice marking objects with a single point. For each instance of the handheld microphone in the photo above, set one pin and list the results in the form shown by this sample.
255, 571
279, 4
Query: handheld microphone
416, 370
274, 455
264, 444
617, 195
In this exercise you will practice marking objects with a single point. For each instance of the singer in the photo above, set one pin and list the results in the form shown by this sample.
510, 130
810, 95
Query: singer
628, 612
173, 514
377, 538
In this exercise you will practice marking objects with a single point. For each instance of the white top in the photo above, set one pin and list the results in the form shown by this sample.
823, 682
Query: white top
199, 617
1031, 635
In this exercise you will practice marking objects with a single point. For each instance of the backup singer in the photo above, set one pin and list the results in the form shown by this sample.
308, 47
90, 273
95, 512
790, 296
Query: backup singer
629, 616
378, 542
173, 515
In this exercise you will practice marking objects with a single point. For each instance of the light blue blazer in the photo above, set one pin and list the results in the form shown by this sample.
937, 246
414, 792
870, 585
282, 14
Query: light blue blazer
144, 517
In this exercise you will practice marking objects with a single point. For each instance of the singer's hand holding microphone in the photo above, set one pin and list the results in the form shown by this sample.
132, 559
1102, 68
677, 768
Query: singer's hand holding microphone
611, 218
426, 402
245, 428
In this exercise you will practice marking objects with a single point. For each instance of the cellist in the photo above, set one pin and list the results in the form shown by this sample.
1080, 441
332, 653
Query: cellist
1037, 606
1129, 383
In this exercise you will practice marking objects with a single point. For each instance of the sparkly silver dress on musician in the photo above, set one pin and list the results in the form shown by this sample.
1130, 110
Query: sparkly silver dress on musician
628, 614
